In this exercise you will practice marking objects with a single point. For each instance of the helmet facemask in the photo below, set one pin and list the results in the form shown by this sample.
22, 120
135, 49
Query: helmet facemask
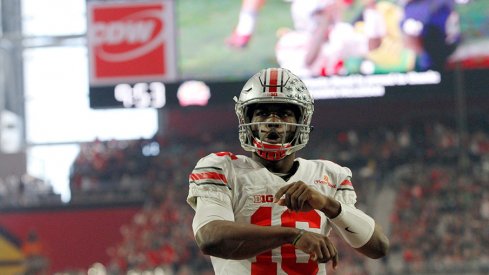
288, 90
287, 135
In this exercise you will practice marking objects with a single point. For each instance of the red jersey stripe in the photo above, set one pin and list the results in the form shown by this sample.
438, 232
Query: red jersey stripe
208, 175
346, 182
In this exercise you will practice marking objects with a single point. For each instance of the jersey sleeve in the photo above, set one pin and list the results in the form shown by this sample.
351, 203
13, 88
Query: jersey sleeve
345, 192
210, 209
211, 179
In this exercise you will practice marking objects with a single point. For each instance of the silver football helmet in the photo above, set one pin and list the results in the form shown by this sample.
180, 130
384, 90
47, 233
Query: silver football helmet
274, 85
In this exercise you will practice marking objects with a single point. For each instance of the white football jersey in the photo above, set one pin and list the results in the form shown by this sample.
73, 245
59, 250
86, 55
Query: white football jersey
248, 188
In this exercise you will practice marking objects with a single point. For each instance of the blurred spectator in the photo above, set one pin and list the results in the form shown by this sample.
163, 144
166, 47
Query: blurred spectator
36, 262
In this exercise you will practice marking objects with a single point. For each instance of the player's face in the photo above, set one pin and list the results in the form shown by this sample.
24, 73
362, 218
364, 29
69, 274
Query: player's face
272, 118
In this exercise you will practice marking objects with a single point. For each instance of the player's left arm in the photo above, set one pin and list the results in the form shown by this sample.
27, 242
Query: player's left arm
377, 246
357, 228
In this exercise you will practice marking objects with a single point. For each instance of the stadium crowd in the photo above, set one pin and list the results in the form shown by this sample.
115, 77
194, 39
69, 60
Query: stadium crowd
439, 214
438, 223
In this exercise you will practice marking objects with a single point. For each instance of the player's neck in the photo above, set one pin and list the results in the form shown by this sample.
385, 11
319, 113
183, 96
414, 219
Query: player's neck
280, 166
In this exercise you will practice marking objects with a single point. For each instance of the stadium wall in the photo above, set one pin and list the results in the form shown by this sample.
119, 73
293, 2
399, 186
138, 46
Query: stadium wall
72, 238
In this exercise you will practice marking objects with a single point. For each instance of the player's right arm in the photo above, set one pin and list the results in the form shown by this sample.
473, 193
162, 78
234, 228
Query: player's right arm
227, 239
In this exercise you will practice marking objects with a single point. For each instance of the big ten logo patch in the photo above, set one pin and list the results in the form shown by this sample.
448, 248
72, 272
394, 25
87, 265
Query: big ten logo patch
262, 198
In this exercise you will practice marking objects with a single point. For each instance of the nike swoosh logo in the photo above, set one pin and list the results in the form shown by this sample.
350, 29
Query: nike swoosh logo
348, 230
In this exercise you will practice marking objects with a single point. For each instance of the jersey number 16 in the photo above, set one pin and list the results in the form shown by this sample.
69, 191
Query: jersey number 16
264, 263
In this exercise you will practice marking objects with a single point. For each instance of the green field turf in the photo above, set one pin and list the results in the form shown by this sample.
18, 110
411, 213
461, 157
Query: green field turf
203, 27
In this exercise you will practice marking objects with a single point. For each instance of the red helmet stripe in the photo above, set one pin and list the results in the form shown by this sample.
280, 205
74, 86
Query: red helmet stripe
273, 81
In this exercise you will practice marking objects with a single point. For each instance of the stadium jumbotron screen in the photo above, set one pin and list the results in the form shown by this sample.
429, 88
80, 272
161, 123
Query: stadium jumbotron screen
417, 38
341, 48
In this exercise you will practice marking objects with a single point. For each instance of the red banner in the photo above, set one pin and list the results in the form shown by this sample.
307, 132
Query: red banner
131, 42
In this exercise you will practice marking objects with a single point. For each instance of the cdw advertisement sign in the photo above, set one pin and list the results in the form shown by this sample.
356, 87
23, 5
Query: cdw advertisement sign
130, 42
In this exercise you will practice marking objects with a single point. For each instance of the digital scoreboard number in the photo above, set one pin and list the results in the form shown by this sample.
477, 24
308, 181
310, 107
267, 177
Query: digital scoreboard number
141, 95
158, 94
132, 95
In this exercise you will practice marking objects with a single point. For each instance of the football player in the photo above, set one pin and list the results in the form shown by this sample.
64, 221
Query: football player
432, 29
271, 213
250, 10
321, 39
